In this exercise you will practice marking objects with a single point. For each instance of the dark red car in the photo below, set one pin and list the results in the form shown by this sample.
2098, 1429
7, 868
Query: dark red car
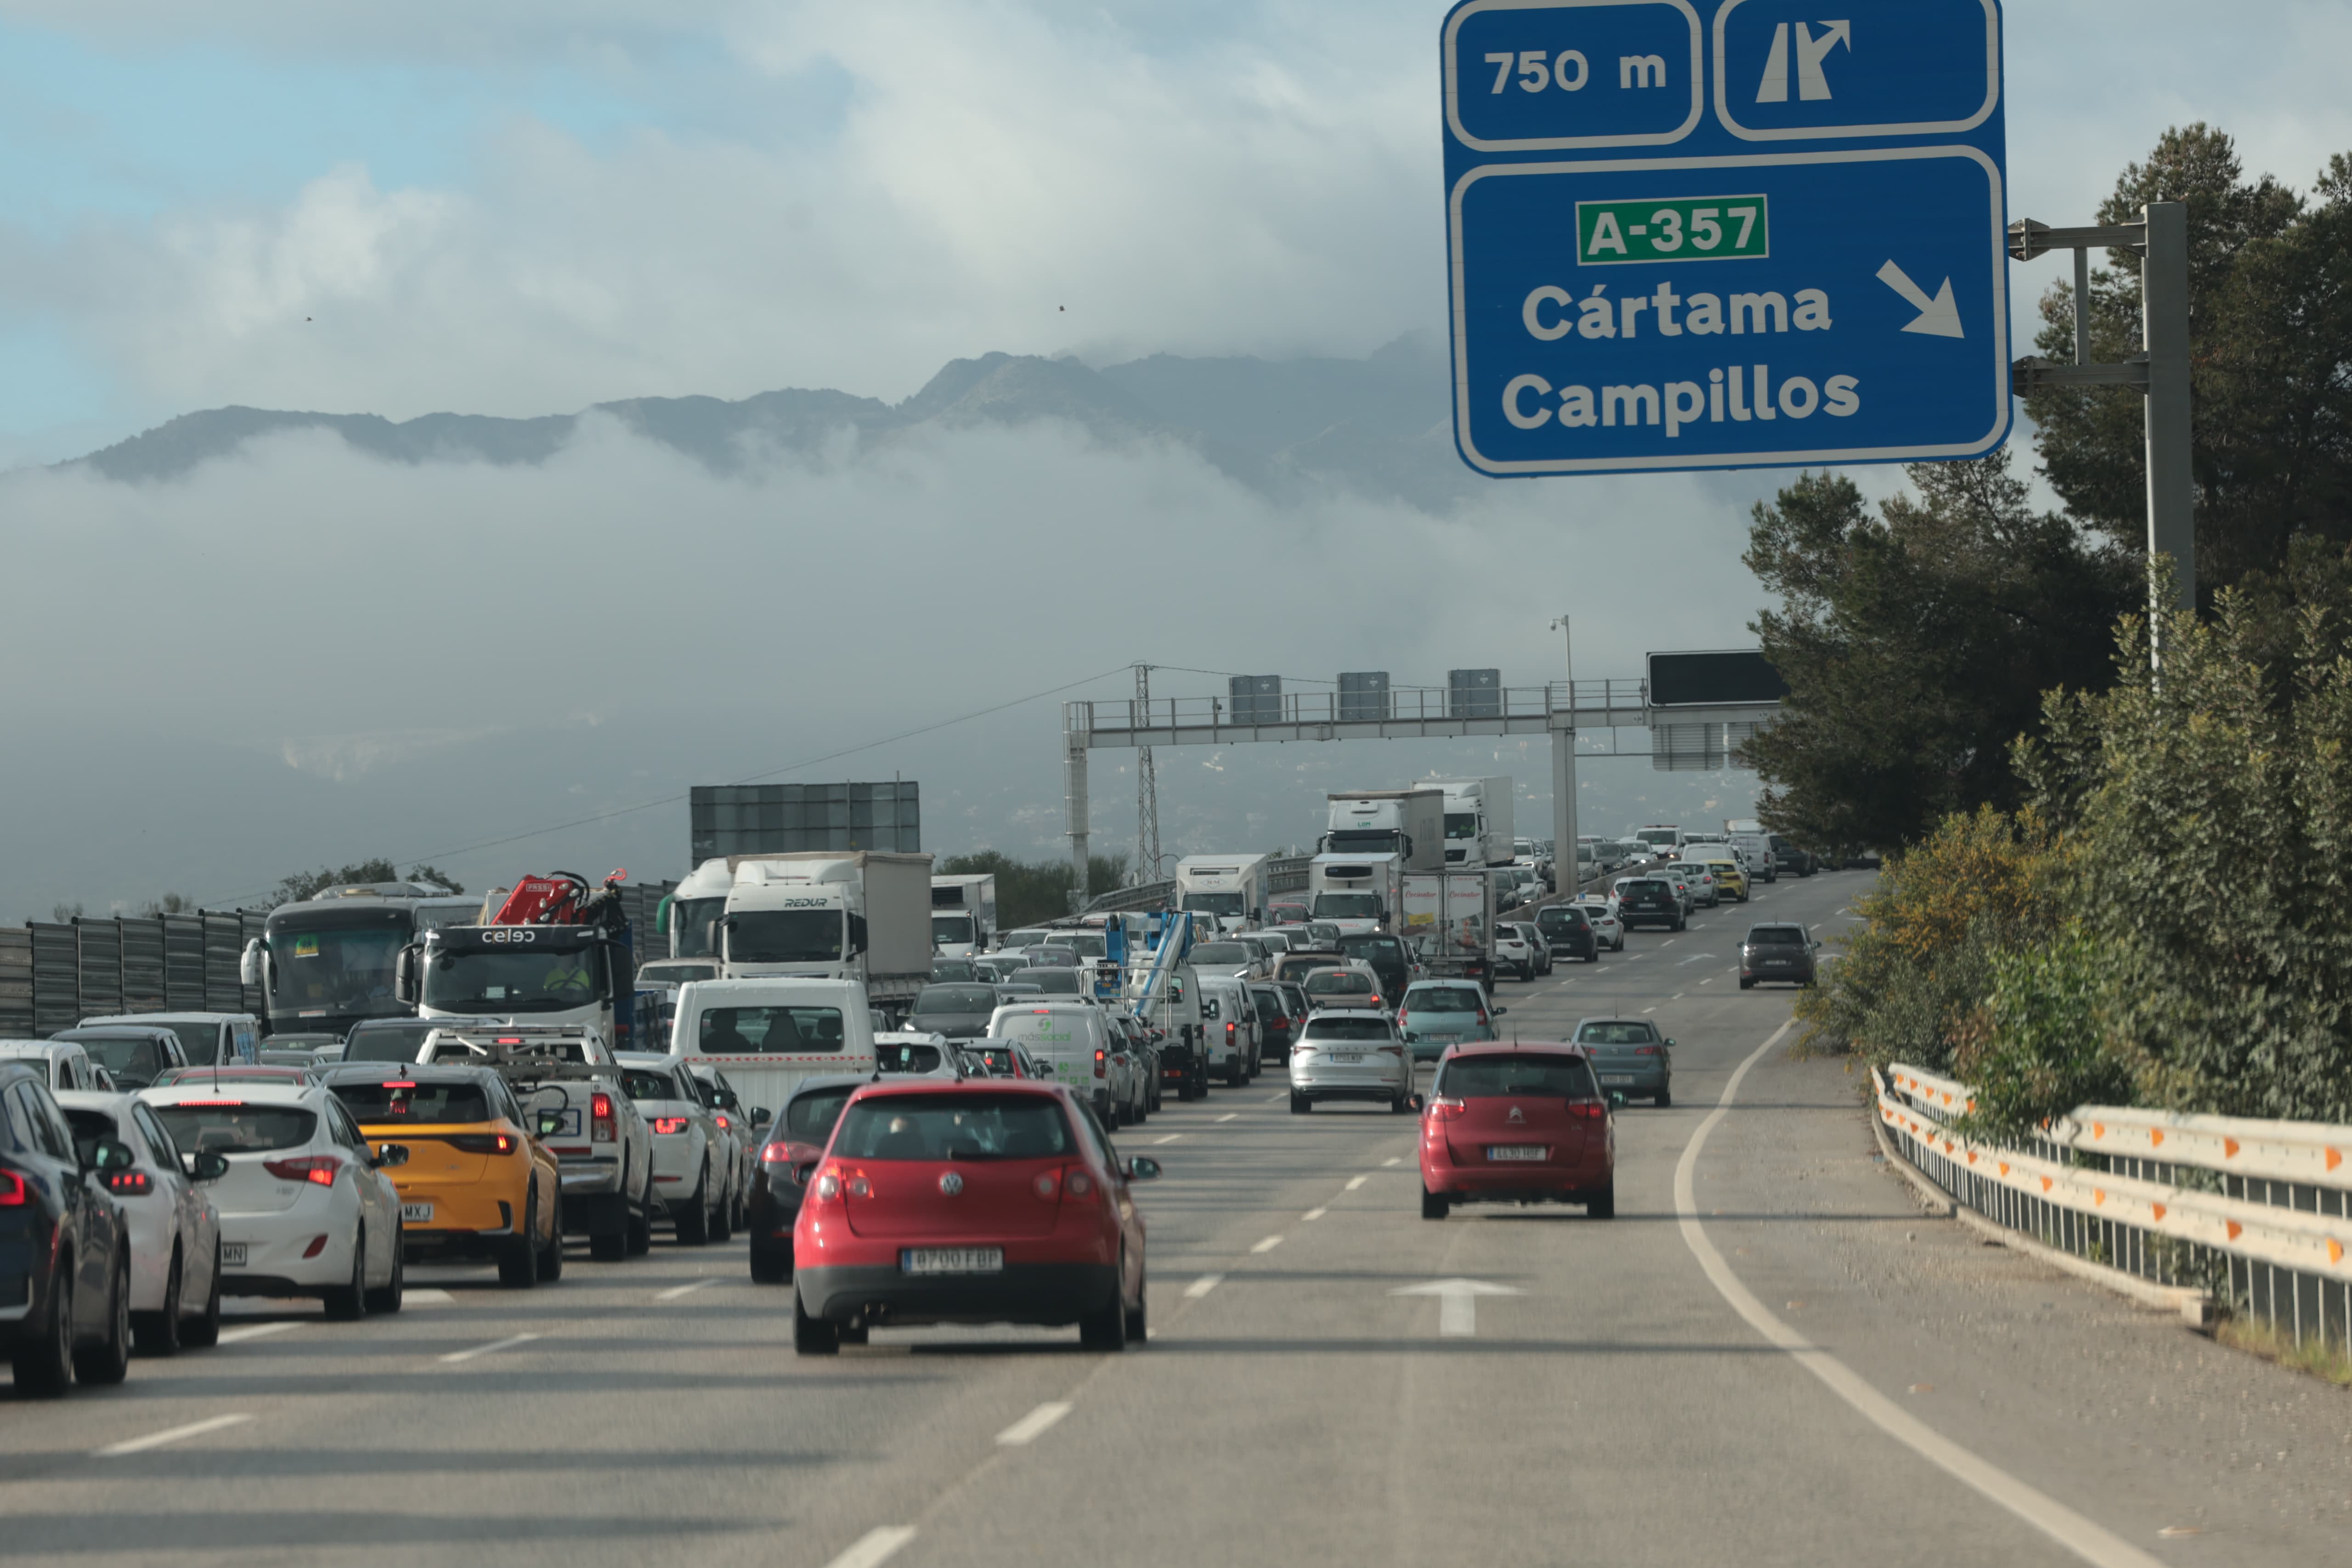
1516, 1123
986, 1201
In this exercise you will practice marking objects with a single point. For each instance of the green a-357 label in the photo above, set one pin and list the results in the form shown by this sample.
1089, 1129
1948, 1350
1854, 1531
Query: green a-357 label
1682, 228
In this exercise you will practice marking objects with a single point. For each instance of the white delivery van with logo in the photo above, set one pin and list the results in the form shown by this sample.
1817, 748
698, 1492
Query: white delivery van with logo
1070, 1040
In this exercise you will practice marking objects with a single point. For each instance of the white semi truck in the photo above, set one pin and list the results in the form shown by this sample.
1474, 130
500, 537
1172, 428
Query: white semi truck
1227, 890
1478, 822
964, 914
1409, 823
1360, 894
861, 915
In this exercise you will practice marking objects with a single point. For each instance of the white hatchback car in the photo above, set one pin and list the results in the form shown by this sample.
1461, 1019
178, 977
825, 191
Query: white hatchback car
693, 1166
1351, 1053
175, 1247
304, 1210
1602, 913
1513, 951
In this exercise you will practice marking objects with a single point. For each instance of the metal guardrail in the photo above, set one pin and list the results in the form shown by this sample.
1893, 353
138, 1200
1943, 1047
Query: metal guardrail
2260, 1210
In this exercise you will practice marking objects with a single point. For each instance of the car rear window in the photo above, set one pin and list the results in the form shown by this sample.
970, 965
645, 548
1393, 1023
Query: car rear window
90, 1128
1222, 953
1326, 1027
998, 1060
1053, 980
1519, 1073
1443, 999
810, 1117
1777, 936
387, 1042
1340, 984
132, 1059
642, 1085
239, 1129
421, 1101
907, 1058
768, 1031
1567, 915
955, 999
1616, 1035
954, 1127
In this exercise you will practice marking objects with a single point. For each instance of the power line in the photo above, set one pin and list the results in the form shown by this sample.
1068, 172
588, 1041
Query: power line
432, 855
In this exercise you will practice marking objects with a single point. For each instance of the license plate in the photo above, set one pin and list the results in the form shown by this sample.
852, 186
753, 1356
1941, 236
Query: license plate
1441, 1039
1347, 1056
1516, 1151
1617, 1078
417, 1213
952, 1260
232, 1255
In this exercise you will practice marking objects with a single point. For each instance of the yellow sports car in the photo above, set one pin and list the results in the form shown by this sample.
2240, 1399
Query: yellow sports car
1730, 878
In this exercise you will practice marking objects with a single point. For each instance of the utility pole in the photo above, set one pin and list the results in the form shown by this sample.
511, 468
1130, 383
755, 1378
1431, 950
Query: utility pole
1564, 880
2160, 371
1147, 789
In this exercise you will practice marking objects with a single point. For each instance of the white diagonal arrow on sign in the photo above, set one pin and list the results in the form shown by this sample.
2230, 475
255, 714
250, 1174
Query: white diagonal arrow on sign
1457, 1303
1938, 316
1811, 85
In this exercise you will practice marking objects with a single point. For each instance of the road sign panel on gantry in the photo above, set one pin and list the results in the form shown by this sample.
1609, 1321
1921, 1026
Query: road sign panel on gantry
1730, 234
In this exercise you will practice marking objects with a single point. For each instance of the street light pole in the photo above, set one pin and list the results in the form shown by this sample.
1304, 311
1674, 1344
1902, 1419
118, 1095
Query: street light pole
1564, 879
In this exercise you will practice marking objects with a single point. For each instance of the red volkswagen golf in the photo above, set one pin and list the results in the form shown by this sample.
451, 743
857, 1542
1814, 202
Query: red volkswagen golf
1509, 1123
989, 1201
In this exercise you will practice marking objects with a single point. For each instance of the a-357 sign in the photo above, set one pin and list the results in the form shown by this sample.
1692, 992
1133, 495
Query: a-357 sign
1746, 236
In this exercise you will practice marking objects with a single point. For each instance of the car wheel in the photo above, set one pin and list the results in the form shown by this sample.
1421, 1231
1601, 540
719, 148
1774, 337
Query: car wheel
1111, 1119
640, 1233
1433, 1204
1237, 1075
517, 1259
693, 1226
1662, 1098
722, 1219
204, 1332
1746, 985
1402, 1104
551, 1256
44, 1363
812, 1336
388, 1299
347, 1304
1138, 1320
158, 1333
109, 1361
1105, 1329
1299, 1104
1602, 1205
771, 1264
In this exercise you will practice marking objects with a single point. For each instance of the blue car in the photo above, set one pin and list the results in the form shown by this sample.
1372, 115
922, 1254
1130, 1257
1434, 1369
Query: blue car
1442, 1013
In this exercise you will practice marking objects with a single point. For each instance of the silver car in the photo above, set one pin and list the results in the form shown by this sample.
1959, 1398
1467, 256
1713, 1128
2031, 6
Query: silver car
1351, 1053
1631, 1058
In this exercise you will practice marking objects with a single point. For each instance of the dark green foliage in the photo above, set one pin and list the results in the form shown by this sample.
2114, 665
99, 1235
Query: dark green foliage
1027, 894
293, 890
1916, 645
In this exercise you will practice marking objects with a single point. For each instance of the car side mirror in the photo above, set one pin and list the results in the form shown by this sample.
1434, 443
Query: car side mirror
205, 1165
1500, 1011
106, 1156
403, 975
1616, 1099
761, 1116
1420, 1102
1142, 1168
390, 1154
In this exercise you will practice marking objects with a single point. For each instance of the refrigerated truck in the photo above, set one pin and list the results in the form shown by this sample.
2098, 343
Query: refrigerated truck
1358, 893
1477, 822
1229, 890
861, 915
964, 914
1409, 823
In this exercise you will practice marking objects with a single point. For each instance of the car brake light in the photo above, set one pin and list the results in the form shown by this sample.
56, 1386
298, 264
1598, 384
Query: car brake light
724, 1125
394, 1085
1447, 1109
1645, 1050
319, 1168
1482, 1015
1099, 1070
12, 1190
1591, 1110
600, 1111
509, 1039
668, 1126
484, 1142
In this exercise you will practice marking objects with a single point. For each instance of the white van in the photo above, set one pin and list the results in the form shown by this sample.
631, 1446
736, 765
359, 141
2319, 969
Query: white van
767, 1034
65, 1064
1755, 852
209, 1038
1229, 1026
1070, 1041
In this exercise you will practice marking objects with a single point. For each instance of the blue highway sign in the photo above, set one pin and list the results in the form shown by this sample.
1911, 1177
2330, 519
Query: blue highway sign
1756, 237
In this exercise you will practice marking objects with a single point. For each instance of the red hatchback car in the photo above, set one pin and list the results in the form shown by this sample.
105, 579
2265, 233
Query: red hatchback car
986, 1201
1518, 1123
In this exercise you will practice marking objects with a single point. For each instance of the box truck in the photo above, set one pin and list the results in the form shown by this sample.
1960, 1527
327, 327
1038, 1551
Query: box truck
1226, 890
863, 915
1358, 893
1478, 822
964, 914
1409, 823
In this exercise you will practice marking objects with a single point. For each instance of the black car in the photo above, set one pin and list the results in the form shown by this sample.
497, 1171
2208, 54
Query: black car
1783, 953
1789, 857
795, 1141
1566, 929
64, 1248
960, 1009
1646, 900
1276, 1024
1387, 956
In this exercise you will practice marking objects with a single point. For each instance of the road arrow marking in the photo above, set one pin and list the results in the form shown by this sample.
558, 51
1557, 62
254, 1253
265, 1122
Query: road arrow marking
1457, 1303
1938, 316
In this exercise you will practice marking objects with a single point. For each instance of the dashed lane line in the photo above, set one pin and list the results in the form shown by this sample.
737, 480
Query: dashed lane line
1267, 1245
688, 1288
254, 1331
505, 1344
1229, 1116
1170, 1139
170, 1435
876, 1547
1202, 1286
1315, 1213
1355, 1182
1392, 1160
1030, 1427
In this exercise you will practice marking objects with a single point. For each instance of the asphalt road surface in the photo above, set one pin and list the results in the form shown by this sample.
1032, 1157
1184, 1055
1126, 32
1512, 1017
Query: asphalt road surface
1790, 1365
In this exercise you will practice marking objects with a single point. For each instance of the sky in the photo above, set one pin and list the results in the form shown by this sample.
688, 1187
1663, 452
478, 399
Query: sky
299, 655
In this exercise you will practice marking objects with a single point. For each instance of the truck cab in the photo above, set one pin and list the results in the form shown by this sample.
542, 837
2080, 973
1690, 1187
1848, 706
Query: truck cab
1357, 893
546, 974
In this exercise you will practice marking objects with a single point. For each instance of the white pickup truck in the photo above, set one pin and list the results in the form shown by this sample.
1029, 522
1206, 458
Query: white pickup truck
576, 1094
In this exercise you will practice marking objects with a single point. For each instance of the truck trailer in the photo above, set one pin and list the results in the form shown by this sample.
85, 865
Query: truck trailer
1409, 823
861, 915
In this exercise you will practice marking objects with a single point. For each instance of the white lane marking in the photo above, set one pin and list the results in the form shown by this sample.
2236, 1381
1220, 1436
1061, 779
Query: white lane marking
425, 1296
1229, 1116
688, 1288
1170, 1139
1276, 1098
1649, 1009
505, 1344
1708, 981
1030, 1427
1202, 1286
169, 1435
876, 1547
1697, 958
1670, 941
1457, 1303
254, 1331
1355, 1182
2092, 1543
1676, 997
1267, 1245
1315, 1213
1392, 1160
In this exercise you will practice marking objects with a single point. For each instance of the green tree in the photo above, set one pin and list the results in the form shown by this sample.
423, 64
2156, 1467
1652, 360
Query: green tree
1917, 644
302, 885
1028, 894
2271, 340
